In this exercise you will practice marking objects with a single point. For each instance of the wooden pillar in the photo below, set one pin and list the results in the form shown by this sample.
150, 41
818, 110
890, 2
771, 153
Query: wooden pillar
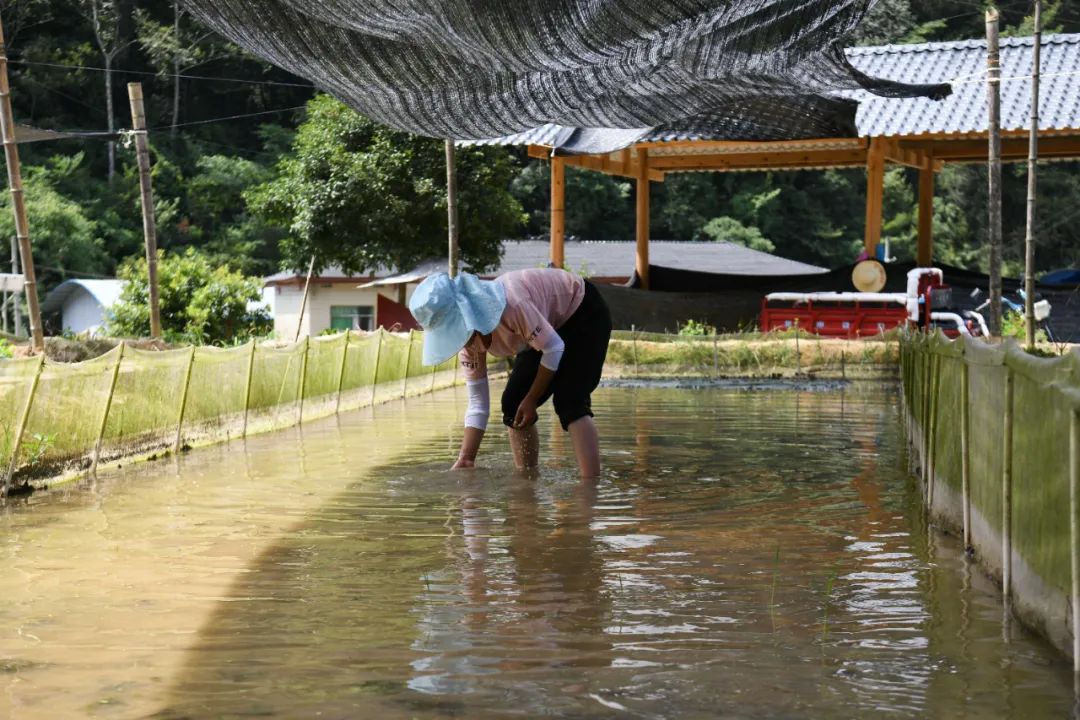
875, 186
558, 212
642, 190
925, 253
142, 156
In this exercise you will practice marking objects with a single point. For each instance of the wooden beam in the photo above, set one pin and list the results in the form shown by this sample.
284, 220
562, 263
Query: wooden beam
924, 255
658, 148
558, 212
759, 161
642, 225
1012, 148
875, 186
599, 163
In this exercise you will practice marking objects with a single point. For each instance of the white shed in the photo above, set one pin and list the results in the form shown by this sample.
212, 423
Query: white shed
83, 305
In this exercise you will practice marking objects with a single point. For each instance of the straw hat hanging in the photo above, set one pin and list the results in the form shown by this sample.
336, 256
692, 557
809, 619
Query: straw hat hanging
868, 276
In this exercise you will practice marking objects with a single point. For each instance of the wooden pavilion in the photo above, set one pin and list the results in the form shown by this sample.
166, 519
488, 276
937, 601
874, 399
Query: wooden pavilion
918, 133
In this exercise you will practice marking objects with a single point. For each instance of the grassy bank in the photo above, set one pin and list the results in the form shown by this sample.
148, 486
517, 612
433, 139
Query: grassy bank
750, 355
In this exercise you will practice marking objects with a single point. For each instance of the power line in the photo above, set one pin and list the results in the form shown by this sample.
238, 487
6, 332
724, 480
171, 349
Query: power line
228, 117
162, 75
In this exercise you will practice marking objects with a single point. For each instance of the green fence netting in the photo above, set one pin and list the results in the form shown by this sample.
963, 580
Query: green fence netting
61, 416
1020, 412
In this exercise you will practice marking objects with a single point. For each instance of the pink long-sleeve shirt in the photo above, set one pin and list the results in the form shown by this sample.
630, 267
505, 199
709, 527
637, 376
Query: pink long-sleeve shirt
537, 302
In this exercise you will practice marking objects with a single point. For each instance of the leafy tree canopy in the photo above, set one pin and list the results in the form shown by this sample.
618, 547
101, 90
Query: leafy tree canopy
357, 194
199, 301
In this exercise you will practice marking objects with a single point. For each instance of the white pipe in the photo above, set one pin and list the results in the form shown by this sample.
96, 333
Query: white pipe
982, 322
913, 277
952, 317
841, 297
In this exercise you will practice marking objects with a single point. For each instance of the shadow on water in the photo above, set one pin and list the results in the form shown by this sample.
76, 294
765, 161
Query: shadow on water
745, 555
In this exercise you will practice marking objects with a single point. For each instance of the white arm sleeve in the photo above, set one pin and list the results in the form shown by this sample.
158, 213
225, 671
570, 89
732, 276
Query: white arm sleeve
553, 352
476, 414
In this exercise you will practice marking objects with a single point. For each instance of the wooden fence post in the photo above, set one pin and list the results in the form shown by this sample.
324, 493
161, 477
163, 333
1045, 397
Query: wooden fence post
1006, 489
23, 419
341, 371
247, 386
183, 400
108, 406
303, 376
935, 410
965, 454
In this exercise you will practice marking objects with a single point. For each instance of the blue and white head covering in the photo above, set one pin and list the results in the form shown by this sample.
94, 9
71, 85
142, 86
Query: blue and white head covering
450, 310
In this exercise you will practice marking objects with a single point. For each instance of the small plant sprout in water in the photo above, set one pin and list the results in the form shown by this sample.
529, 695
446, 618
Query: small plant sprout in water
775, 576
829, 581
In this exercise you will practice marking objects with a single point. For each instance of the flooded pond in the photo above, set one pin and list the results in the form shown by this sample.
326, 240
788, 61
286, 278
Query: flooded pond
746, 554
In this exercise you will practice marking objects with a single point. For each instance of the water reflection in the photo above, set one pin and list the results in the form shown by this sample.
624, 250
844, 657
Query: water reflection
745, 554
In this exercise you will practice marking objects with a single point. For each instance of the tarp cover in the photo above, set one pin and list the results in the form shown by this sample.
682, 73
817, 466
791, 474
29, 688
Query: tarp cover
472, 69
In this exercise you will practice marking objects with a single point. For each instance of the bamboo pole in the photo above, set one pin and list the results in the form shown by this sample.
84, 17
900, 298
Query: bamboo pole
146, 198
1006, 490
183, 401
303, 302
18, 203
16, 315
633, 339
1033, 155
993, 105
24, 417
715, 358
965, 455
378, 358
247, 386
1074, 532
935, 403
303, 377
341, 371
451, 209
642, 217
408, 361
108, 406
558, 212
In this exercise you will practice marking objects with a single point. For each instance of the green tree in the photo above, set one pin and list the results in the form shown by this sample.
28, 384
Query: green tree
598, 206
728, 229
200, 302
357, 194
65, 241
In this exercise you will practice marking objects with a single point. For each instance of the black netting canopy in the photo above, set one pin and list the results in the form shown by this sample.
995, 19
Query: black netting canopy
471, 69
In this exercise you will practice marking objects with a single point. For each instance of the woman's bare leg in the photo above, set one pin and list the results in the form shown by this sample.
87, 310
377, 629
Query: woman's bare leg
586, 446
525, 445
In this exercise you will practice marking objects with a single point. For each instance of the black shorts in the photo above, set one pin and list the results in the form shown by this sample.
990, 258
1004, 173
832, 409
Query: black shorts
586, 336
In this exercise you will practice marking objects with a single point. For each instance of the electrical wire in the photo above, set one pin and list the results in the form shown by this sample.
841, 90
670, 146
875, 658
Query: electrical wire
64, 66
223, 119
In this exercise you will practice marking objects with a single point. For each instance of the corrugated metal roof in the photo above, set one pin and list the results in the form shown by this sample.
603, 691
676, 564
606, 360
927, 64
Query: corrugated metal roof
961, 63
609, 259
105, 292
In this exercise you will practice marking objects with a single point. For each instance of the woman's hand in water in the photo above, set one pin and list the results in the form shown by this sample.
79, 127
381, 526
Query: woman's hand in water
526, 414
464, 464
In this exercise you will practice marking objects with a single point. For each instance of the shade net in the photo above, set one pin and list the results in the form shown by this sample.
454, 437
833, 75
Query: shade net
1045, 397
129, 402
474, 69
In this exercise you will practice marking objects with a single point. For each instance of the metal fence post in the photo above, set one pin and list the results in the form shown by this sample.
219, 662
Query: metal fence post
108, 406
303, 376
1006, 489
341, 372
247, 386
183, 400
23, 419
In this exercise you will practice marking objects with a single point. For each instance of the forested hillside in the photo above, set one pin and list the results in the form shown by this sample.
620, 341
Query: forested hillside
234, 178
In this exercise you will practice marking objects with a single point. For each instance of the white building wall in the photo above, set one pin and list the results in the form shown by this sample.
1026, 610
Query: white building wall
81, 312
287, 301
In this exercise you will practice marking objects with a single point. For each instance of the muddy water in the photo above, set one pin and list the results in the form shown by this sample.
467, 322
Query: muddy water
746, 554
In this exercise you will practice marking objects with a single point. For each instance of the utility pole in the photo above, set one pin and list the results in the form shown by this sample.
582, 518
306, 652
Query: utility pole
18, 201
451, 207
1033, 154
993, 200
142, 155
